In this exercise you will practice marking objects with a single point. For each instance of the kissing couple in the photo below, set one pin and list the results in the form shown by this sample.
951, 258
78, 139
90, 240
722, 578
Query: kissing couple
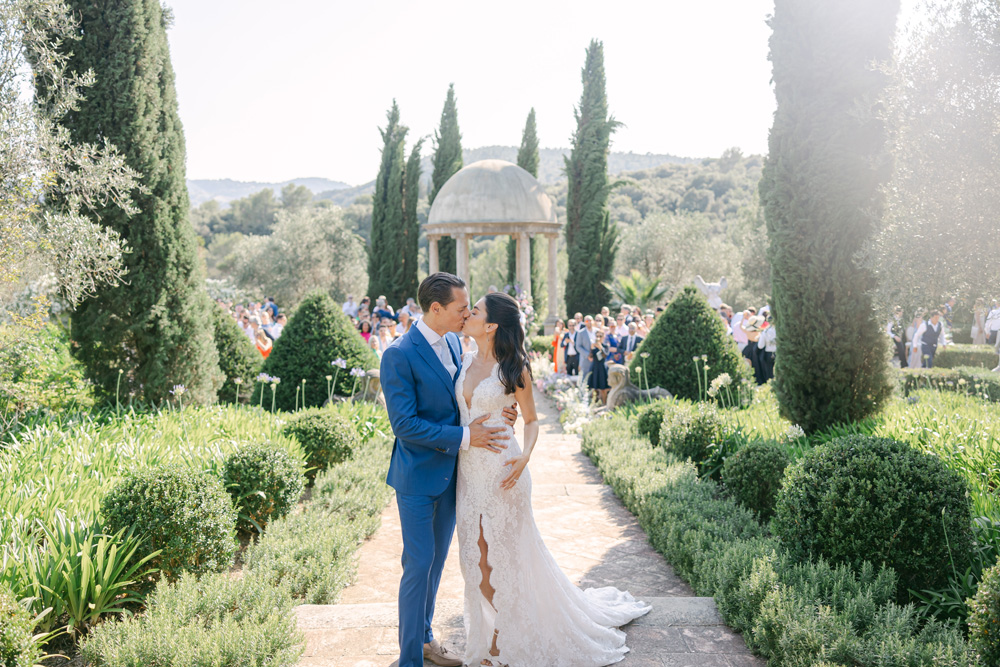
455, 457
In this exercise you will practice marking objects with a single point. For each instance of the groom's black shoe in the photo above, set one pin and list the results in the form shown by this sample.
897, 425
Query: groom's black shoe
439, 655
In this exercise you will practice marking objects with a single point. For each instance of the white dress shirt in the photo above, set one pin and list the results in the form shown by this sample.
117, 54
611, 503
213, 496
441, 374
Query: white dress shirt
440, 347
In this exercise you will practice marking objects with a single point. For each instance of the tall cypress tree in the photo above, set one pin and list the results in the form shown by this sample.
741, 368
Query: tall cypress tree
821, 191
154, 330
591, 237
388, 224
447, 160
407, 281
527, 159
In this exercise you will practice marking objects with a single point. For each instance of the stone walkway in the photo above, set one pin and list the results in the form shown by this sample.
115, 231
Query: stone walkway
595, 540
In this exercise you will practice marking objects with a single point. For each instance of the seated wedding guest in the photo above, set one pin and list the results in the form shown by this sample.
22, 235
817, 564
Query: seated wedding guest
263, 343
366, 330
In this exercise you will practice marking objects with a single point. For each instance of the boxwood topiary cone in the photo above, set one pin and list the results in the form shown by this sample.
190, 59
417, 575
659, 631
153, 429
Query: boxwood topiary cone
688, 328
238, 357
318, 333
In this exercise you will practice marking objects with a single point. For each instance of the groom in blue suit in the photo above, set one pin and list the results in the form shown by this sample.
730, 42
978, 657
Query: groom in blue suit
418, 375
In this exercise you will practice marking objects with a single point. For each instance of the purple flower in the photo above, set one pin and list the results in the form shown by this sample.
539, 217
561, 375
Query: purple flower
339, 363
263, 377
178, 390
358, 372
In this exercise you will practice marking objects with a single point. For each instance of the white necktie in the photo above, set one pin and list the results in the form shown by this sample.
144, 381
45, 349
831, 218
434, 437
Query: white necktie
444, 355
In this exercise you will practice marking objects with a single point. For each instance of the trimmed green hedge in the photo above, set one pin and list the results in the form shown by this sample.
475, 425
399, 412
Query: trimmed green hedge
971, 381
953, 356
792, 614
542, 344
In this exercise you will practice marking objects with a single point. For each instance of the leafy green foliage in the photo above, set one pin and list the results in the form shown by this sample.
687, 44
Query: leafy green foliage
971, 381
310, 553
184, 514
954, 356
688, 328
860, 499
791, 613
822, 191
636, 289
37, 372
591, 236
238, 357
316, 335
264, 483
695, 431
309, 249
984, 617
650, 419
326, 437
753, 476
447, 162
527, 159
392, 258
214, 621
18, 647
156, 325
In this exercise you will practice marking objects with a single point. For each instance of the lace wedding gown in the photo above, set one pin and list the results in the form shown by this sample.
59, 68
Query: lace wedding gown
542, 618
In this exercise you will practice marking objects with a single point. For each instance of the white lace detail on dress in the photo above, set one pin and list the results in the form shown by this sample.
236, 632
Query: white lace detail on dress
542, 618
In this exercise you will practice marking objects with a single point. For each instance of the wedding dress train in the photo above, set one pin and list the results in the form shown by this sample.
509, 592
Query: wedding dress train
542, 619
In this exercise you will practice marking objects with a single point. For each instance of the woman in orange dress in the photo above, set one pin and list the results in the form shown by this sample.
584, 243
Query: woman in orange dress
263, 343
558, 358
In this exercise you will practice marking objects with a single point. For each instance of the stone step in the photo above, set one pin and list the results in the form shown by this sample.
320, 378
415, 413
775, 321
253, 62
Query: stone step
679, 631
667, 612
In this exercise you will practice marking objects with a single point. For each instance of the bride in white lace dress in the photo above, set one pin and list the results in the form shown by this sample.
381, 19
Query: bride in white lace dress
520, 609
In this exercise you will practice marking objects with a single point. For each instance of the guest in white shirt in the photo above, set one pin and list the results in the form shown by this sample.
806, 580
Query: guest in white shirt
568, 343
928, 337
350, 308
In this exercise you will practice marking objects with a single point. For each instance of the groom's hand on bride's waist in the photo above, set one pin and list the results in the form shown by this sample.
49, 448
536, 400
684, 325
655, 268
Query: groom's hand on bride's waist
510, 415
488, 437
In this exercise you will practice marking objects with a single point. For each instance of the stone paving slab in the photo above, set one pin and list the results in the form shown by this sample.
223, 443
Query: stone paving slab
593, 538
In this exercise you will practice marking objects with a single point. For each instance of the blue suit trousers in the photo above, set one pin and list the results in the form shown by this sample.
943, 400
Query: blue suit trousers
423, 561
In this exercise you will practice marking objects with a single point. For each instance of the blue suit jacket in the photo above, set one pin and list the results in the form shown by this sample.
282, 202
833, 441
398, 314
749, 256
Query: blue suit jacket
423, 410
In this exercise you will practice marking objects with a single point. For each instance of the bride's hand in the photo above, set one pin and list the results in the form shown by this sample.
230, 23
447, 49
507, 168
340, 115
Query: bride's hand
517, 465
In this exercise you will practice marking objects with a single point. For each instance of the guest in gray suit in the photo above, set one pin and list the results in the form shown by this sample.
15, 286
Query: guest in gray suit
584, 338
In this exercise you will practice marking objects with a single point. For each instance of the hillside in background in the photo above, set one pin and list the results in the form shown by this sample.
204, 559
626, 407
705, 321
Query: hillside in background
225, 190
550, 167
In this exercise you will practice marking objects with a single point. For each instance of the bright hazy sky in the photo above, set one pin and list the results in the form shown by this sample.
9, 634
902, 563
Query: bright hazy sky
273, 91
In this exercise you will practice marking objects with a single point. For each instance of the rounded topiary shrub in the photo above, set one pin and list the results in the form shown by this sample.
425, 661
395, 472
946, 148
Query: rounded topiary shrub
753, 476
860, 498
326, 437
317, 334
264, 482
688, 328
650, 419
17, 645
984, 618
690, 430
184, 512
238, 357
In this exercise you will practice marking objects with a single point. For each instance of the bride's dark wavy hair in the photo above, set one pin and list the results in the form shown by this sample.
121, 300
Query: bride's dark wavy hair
508, 340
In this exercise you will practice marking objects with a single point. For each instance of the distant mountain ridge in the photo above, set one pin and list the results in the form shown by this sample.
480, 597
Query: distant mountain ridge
550, 167
550, 172
225, 190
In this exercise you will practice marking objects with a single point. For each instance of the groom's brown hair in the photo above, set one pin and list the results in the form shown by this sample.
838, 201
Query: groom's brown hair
438, 287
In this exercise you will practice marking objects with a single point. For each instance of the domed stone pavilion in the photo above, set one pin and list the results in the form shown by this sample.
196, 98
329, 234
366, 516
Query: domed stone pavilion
491, 198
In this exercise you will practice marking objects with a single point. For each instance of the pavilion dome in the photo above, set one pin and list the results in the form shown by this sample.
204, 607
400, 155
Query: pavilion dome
491, 192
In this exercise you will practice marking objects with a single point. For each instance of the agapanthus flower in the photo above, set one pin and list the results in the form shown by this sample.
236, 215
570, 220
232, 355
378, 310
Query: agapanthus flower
358, 372
339, 363
263, 377
178, 390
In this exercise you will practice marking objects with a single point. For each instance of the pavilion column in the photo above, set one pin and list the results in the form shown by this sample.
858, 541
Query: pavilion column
524, 255
517, 257
432, 252
553, 276
462, 256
